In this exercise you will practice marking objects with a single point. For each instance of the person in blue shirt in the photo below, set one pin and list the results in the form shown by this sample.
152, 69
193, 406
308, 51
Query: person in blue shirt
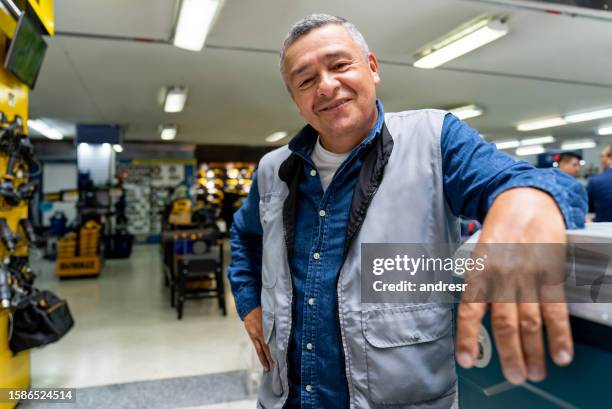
599, 189
332, 77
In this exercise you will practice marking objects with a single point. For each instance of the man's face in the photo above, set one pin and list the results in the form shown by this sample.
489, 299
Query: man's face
571, 167
605, 158
331, 82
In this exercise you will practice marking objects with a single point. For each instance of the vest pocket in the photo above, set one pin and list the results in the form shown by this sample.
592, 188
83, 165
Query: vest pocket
271, 379
409, 354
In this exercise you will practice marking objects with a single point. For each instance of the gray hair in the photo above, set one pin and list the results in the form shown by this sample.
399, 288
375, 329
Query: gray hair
314, 21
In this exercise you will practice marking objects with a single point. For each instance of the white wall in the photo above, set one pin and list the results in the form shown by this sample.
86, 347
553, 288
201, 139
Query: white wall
56, 177
99, 160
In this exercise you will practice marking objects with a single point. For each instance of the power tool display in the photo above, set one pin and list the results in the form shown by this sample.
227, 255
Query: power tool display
23, 27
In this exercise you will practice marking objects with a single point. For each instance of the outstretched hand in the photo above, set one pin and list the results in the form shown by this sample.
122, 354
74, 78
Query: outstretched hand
520, 215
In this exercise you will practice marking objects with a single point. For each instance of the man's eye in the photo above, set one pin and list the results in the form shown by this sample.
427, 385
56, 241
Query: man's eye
306, 82
341, 65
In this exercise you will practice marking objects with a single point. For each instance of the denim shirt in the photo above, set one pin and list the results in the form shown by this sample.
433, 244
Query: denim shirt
474, 172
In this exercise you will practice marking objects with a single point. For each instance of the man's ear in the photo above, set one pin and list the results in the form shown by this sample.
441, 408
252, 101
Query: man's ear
373, 64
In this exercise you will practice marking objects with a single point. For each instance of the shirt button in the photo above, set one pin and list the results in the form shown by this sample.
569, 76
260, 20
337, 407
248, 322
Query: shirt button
316, 256
322, 213
309, 346
308, 388
313, 173
311, 301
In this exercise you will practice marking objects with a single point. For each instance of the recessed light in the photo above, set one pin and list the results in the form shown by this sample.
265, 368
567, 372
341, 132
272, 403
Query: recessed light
42, 128
588, 116
537, 140
467, 111
276, 136
194, 22
168, 132
464, 39
507, 144
175, 99
540, 124
530, 150
606, 130
578, 144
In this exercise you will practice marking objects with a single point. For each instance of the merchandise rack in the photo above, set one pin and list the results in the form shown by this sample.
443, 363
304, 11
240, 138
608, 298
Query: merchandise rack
15, 368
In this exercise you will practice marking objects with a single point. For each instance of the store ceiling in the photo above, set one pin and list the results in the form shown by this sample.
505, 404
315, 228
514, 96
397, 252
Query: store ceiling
547, 65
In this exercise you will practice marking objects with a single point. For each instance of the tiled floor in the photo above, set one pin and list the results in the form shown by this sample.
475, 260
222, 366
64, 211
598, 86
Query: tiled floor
239, 404
125, 330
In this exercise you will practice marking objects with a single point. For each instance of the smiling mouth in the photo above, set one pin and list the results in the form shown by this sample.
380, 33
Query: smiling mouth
335, 105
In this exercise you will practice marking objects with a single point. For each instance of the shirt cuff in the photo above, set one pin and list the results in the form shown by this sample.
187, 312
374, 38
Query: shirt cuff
247, 300
570, 196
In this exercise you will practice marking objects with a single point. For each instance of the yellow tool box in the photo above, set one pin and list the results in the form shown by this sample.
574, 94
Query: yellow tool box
85, 262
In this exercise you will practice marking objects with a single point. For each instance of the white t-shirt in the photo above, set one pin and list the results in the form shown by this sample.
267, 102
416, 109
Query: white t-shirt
326, 162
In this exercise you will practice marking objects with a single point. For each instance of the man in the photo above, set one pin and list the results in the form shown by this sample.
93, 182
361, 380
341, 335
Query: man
569, 162
355, 174
600, 189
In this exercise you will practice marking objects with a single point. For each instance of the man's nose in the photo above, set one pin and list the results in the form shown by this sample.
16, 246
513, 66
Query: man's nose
328, 84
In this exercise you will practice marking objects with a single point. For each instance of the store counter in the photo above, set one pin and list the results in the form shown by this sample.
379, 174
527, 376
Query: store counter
585, 383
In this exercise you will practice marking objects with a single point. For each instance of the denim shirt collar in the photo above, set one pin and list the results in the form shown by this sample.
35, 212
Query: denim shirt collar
303, 143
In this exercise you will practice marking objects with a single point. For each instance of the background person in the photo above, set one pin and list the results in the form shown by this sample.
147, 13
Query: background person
569, 162
599, 189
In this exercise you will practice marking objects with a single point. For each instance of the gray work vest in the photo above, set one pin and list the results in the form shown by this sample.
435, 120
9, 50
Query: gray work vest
396, 355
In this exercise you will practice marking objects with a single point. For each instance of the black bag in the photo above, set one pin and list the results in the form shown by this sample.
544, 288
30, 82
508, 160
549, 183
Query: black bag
40, 319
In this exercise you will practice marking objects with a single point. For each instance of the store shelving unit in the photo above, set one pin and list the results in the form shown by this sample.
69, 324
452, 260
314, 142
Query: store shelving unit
15, 369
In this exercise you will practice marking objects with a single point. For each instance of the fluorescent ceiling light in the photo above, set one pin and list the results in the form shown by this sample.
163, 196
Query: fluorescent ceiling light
168, 132
42, 128
588, 116
461, 41
540, 124
467, 111
276, 136
175, 99
605, 131
118, 148
530, 150
195, 19
578, 144
507, 144
537, 140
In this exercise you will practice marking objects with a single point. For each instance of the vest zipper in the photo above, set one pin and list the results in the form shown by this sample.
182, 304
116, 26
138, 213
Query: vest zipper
338, 277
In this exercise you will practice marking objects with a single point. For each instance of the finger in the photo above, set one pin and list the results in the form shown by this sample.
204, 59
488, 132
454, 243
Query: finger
529, 290
477, 287
552, 293
559, 333
504, 321
266, 350
261, 355
530, 325
469, 318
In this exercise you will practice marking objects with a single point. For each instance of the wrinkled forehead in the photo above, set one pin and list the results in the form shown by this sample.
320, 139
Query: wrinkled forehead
320, 43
